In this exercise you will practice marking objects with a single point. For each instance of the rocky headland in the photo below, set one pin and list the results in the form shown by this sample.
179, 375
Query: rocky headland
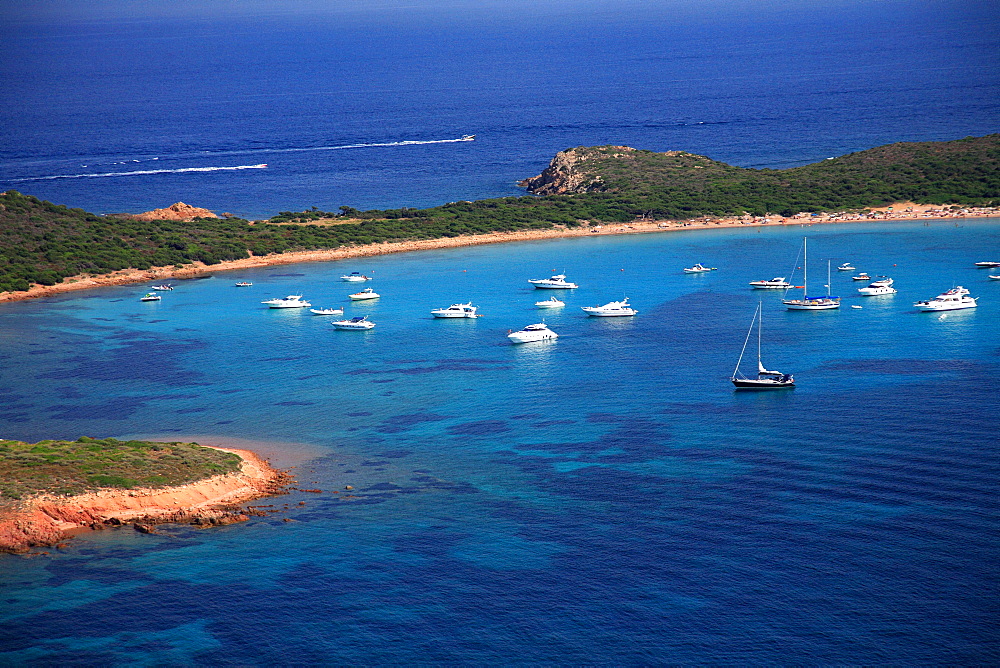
179, 211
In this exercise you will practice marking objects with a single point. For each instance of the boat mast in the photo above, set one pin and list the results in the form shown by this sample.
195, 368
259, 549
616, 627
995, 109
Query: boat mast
745, 342
760, 325
805, 268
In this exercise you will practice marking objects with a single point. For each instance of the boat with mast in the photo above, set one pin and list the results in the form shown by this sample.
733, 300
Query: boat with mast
808, 303
765, 380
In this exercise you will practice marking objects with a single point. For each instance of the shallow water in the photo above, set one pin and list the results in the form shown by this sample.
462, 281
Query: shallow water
605, 498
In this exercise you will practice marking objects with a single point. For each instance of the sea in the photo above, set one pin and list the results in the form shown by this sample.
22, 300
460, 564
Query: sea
606, 498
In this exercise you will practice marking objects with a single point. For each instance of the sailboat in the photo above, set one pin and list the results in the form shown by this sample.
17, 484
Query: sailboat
808, 303
765, 380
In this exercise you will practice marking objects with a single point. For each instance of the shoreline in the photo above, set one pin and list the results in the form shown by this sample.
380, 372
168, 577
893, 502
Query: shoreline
906, 211
44, 521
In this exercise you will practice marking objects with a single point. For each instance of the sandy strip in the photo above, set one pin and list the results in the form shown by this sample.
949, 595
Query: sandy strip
45, 520
902, 212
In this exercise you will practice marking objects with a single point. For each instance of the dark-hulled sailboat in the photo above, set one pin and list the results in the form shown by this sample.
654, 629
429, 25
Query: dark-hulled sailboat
765, 380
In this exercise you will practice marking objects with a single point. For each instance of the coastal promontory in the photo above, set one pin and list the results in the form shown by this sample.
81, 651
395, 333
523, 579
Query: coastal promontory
53, 487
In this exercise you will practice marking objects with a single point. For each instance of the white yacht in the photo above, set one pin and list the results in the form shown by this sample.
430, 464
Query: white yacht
150, 297
355, 277
556, 282
847, 266
995, 278
356, 323
698, 269
291, 301
555, 302
863, 276
367, 293
164, 286
881, 286
327, 311
610, 309
243, 284
536, 332
988, 264
456, 311
952, 300
776, 283
808, 303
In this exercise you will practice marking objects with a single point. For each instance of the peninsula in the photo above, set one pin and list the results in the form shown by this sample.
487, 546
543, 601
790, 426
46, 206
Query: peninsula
50, 488
47, 248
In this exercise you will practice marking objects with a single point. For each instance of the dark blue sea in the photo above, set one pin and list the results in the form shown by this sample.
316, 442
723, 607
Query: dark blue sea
606, 498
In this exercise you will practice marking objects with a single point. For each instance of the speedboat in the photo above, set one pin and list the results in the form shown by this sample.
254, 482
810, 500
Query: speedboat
988, 264
863, 276
556, 282
367, 293
778, 282
554, 302
952, 300
150, 297
355, 277
882, 286
356, 323
536, 332
243, 284
698, 269
291, 301
995, 278
610, 309
165, 286
847, 266
468, 138
327, 311
456, 311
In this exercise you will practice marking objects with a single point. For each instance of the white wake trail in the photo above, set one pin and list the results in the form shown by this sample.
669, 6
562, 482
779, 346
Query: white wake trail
140, 172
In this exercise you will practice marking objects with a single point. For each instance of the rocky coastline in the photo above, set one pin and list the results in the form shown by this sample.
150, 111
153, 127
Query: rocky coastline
43, 521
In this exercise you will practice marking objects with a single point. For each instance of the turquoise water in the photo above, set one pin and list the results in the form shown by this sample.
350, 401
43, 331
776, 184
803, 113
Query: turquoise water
604, 498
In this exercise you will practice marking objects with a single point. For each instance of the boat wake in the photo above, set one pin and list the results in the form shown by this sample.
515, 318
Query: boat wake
340, 147
140, 172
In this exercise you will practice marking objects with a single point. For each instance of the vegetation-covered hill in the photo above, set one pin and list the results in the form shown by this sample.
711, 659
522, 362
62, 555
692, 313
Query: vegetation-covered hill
41, 242
88, 464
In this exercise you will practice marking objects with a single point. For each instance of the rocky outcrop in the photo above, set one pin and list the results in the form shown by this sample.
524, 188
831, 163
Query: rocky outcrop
213, 501
570, 171
180, 211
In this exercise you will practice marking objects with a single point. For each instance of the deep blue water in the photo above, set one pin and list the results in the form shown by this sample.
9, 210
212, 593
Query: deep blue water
751, 85
606, 498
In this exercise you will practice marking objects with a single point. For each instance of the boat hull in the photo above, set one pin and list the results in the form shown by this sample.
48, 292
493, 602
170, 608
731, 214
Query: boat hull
763, 384
927, 308
518, 337
609, 314
810, 305
758, 286
874, 292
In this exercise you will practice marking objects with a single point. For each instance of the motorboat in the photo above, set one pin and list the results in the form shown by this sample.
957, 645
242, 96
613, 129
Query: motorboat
847, 266
881, 286
356, 323
610, 309
456, 311
355, 277
367, 293
988, 264
327, 311
554, 302
765, 380
468, 138
291, 301
807, 303
863, 276
164, 286
556, 282
698, 269
243, 284
776, 283
536, 332
995, 278
150, 297
951, 300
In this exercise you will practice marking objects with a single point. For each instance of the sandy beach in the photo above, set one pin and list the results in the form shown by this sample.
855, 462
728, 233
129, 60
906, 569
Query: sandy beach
46, 520
901, 211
